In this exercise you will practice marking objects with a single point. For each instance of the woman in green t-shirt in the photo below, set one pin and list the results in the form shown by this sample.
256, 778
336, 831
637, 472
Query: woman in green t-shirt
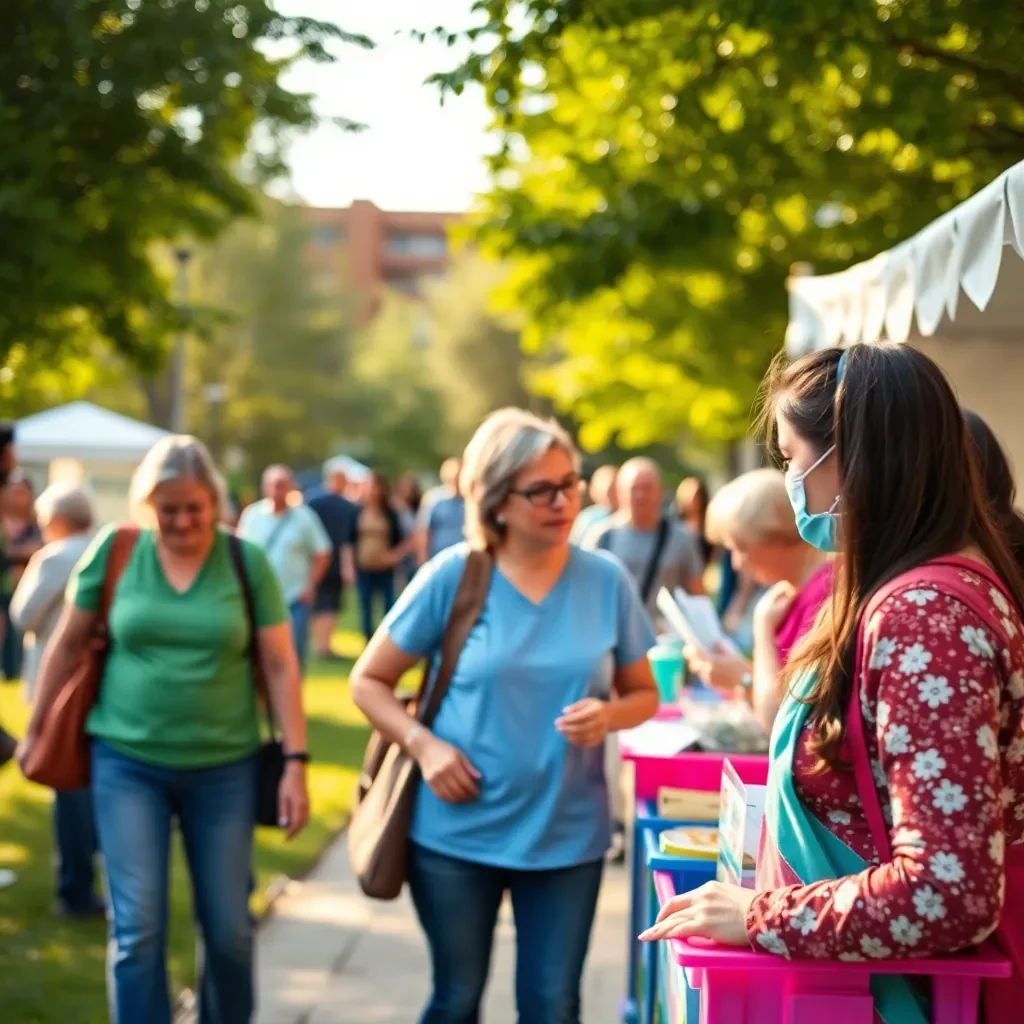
175, 731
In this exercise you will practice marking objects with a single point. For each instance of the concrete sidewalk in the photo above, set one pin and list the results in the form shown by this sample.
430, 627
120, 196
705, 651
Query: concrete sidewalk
327, 955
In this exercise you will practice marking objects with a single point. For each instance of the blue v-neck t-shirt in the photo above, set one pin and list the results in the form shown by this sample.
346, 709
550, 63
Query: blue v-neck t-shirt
543, 802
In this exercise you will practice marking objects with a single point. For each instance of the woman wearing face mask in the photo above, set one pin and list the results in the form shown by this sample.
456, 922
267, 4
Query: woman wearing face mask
753, 518
919, 849
514, 796
175, 731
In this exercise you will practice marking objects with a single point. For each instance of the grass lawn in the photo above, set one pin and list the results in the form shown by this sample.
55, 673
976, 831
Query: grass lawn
52, 972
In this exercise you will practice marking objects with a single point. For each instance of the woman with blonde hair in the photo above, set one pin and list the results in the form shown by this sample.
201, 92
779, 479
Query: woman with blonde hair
513, 795
751, 516
175, 731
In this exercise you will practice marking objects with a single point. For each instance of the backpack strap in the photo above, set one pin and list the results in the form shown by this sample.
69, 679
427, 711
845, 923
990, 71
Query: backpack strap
465, 612
942, 573
651, 573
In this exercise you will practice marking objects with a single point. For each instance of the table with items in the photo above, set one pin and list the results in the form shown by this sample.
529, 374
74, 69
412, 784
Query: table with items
697, 817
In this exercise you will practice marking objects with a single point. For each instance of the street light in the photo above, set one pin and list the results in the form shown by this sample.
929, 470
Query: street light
216, 395
182, 256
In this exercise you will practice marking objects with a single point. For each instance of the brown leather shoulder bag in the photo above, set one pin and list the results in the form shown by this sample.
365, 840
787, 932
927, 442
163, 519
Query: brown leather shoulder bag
378, 834
59, 757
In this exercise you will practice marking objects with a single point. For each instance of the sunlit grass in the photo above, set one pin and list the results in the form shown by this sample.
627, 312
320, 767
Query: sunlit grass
52, 972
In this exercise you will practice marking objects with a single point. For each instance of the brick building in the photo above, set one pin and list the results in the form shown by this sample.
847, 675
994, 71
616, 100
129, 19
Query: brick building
365, 250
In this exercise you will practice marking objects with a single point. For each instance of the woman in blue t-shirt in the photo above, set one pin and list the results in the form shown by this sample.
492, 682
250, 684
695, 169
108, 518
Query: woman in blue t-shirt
514, 796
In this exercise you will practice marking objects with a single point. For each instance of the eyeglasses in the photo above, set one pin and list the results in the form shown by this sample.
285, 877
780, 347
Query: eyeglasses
546, 494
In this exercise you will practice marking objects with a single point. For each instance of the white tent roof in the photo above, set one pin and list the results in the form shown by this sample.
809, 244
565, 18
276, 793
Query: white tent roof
84, 431
921, 279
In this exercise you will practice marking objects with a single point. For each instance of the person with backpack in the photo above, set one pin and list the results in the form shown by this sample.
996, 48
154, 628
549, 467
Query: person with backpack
656, 548
513, 796
175, 731
894, 818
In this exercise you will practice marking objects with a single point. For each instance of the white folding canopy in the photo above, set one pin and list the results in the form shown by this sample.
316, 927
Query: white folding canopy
914, 288
912, 293
86, 432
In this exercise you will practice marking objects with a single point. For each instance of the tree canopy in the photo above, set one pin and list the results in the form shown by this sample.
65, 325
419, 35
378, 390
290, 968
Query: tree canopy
125, 124
666, 163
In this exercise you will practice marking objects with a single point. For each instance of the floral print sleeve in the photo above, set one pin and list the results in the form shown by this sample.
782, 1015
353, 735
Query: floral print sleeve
937, 704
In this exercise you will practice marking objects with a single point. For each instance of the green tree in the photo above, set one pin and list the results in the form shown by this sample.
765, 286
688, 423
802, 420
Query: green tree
125, 124
393, 395
473, 351
280, 351
667, 162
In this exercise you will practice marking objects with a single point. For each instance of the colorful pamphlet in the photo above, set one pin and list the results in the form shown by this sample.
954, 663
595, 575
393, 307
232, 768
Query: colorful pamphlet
741, 812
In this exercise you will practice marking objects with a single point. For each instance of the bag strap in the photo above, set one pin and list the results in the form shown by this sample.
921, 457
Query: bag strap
121, 548
275, 534
941, 571
466, 608
652, 566
259, 680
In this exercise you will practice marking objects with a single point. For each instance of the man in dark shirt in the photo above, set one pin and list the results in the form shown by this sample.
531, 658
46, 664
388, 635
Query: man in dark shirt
338, 515
7, 464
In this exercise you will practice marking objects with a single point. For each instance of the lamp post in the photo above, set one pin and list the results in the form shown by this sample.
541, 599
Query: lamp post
215, 395
182, 256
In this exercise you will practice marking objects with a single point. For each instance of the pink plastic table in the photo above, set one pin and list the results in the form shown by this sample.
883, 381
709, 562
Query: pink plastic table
684, 771
739, 986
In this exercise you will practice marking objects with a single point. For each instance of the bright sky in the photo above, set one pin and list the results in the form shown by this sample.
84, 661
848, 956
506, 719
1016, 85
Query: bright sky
415, 154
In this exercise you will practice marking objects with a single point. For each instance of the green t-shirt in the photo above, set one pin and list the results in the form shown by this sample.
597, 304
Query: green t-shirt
177, 690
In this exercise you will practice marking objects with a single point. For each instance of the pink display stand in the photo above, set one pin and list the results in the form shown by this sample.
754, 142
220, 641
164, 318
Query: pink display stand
688, 771
683, 771
739, 986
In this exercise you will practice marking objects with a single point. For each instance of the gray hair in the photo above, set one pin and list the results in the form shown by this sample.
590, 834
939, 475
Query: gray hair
505, 444
71, 503
176, 457
335, 467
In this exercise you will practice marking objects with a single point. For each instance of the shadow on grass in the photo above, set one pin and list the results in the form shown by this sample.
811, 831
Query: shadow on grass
52, 972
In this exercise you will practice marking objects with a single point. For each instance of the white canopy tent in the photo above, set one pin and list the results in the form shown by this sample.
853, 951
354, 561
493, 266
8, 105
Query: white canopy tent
88, 444
912, 293
84, 431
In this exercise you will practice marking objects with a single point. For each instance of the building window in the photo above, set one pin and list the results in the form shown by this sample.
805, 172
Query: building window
328, 234
427, 246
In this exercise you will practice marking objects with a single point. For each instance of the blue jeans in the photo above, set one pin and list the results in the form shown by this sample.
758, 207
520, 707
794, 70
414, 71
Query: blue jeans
369, 585
457, 903
74, 829
299, 612
215, 809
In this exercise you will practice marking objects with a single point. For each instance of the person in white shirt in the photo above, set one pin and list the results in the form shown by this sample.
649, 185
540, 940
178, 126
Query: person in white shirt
296, 544
66, 515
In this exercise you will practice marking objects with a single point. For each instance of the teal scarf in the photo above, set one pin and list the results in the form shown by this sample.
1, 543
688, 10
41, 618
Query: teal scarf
811, 851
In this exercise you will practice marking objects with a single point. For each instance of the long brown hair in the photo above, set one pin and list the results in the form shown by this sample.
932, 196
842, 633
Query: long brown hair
909, 491
1000, 488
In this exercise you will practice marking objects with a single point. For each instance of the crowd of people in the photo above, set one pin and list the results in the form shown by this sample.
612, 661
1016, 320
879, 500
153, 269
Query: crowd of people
872, 587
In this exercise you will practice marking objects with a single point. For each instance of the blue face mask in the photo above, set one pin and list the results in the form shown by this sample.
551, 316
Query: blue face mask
819, 529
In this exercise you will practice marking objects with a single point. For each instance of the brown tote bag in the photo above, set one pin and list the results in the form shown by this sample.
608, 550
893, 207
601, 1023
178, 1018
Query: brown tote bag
378, 834
60, 756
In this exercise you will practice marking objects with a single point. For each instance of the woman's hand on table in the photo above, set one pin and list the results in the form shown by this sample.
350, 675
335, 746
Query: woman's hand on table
714, 911
723, 670
445, 769
586, 723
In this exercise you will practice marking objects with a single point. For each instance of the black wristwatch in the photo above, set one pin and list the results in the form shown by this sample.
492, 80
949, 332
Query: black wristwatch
301, 756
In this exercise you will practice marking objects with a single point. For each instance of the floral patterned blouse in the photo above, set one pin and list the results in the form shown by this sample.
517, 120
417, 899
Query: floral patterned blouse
944, 700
